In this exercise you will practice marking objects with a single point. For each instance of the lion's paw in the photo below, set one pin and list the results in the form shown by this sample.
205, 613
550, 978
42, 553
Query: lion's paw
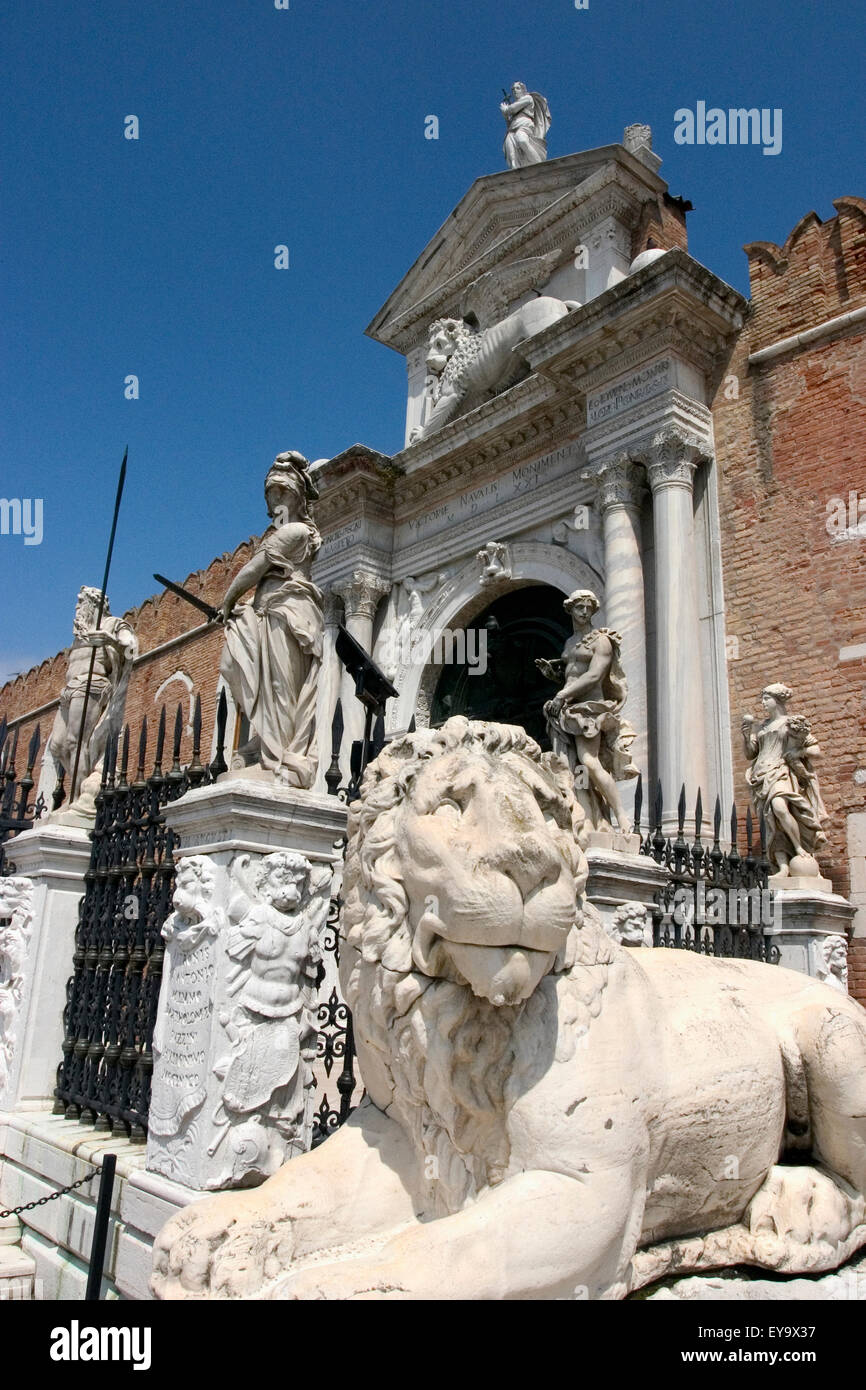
223, 1247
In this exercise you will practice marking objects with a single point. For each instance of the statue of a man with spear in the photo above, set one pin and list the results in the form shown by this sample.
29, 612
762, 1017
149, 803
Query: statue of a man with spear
97, 676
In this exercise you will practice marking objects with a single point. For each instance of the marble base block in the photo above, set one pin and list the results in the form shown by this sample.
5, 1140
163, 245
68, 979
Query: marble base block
811, 930
620, 884
235, 1038
613, 840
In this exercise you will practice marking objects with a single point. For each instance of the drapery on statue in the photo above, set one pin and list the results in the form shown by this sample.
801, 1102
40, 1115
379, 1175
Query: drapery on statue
528, 117
584, 720
784, 787
273, 646
116, 648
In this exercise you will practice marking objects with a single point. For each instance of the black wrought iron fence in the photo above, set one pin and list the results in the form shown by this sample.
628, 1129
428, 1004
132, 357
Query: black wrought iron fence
716, 900
112, 996
18, 810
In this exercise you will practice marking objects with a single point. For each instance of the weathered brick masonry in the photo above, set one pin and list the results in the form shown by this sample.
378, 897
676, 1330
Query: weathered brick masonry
792, 438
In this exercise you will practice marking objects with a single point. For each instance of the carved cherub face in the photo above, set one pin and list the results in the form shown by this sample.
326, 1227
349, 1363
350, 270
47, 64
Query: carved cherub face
490, 882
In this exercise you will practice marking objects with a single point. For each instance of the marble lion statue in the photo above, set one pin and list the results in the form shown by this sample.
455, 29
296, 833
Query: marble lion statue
466, 365
547, 1114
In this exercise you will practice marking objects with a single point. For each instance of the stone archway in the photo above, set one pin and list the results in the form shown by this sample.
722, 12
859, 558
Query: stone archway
518, 626
462, 598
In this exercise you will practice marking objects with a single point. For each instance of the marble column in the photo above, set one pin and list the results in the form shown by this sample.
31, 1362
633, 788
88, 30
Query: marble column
361, 593
681, 751
329, 685
621, 487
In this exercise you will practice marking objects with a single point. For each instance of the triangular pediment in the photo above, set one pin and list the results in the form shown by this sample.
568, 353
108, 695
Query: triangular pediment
501, 217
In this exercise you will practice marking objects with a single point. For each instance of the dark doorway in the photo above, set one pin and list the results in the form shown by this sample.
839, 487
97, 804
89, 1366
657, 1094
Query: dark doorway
520, 626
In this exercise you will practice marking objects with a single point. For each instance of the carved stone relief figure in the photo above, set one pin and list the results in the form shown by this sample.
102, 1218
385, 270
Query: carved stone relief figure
631, 925
495, 561
278, 910
273, 645
584, 719
116, 648
181, 1041
784, 786
833, 962
528, 118
16, 926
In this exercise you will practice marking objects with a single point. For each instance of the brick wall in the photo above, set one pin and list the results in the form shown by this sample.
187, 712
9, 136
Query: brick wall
156, 621
790, 436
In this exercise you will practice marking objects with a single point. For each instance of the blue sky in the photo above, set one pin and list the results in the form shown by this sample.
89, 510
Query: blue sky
305, 127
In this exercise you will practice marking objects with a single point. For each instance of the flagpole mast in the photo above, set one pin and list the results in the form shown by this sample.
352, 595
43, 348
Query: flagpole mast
120, 482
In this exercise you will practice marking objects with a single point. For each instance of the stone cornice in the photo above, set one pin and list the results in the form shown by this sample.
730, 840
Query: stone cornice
672, 303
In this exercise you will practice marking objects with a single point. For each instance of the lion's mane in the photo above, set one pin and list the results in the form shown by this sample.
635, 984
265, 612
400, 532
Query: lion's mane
467, 345
455, 1064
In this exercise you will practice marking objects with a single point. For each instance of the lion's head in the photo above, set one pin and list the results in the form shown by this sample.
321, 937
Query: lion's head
463, 902
451, 345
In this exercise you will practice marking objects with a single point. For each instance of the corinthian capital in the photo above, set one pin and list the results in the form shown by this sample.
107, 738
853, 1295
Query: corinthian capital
672, 458
619, 480
361, 593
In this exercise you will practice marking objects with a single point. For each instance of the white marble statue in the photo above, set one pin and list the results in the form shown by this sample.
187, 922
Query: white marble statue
548, 1114
273, 645
585, 717
475, 356
279, 909
528, 117
116, 648
781, 752
16, 929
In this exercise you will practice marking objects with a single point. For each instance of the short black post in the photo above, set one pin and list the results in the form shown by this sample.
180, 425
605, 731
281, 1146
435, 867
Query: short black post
100, 1229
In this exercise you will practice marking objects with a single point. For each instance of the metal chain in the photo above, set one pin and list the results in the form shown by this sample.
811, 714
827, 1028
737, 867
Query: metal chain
61, 1192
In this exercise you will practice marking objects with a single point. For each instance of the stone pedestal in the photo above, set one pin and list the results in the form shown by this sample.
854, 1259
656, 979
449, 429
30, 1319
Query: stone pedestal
619, 880
811, 931
38, 917
232, 1093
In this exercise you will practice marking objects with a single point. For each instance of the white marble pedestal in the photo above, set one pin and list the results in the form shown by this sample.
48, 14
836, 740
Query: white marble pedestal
811, 930
232, 1092
38, 918
620, 877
